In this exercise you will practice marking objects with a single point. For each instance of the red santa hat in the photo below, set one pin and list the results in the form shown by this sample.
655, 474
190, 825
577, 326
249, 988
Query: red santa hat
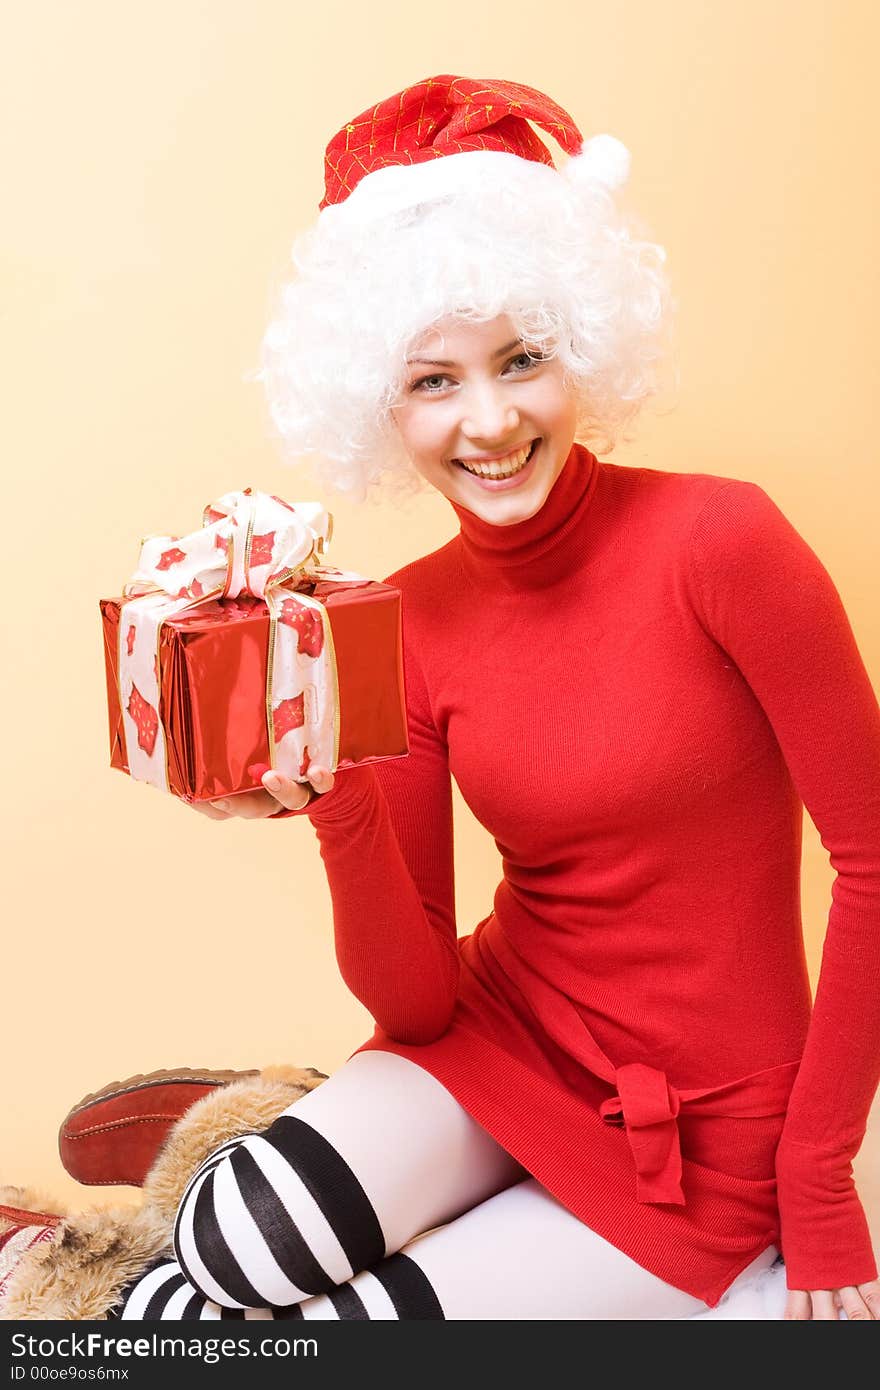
446, 135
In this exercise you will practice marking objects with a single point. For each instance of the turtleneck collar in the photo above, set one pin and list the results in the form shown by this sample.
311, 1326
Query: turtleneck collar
544, 546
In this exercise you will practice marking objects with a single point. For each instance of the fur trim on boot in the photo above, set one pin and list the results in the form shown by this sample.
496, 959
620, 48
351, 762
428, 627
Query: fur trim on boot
79, 1270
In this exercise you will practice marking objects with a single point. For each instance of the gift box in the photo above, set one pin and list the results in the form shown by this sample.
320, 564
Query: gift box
236, 648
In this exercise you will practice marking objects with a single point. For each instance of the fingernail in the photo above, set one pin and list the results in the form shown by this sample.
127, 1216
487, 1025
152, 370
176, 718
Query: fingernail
221, 805
271, 779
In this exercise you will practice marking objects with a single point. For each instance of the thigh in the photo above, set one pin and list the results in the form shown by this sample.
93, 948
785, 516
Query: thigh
420, 1158
521, 1255
350, 1172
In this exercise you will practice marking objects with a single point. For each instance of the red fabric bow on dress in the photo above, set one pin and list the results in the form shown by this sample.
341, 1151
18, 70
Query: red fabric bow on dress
647, 1105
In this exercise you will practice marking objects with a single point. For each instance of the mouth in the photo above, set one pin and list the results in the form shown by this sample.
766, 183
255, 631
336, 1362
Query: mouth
498, 472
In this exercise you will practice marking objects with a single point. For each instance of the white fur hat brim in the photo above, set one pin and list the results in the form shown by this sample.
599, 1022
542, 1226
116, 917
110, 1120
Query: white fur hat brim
397, 187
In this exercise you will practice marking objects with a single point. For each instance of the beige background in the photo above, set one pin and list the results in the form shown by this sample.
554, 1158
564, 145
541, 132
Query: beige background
157, 162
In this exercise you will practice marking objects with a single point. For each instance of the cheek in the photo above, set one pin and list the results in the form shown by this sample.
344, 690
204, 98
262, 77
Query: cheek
565, 413
420, 430
555, 406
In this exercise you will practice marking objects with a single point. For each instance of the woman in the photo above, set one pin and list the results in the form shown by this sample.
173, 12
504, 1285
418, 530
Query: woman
610, 1100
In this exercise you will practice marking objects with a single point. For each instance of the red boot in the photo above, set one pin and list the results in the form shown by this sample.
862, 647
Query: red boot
111, 1138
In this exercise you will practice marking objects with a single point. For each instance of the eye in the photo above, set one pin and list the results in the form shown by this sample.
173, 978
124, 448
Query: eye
527, 361
425, 383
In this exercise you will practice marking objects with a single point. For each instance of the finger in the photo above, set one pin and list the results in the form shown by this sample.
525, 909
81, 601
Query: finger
797, 1306
292, 795
321, 778
824, 1306
870, 1293
207, 808
854, 1305
249, 805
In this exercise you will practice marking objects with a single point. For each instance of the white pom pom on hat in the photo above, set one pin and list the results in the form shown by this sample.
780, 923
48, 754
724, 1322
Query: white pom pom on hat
602, 159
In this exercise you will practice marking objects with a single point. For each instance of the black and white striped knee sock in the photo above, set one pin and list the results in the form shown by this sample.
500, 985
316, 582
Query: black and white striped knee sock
269, 1222
275, 1218
395, 1289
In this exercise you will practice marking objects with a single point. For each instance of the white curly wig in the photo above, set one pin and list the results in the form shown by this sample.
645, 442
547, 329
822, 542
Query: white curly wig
508, 235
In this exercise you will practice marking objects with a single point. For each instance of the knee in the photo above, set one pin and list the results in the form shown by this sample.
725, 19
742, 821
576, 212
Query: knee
256, 1229
211, 1239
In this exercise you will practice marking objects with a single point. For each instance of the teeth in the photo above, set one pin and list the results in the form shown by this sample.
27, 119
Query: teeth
499, 468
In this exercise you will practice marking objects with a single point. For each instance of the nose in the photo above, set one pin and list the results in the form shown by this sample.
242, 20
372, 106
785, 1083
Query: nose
489, 420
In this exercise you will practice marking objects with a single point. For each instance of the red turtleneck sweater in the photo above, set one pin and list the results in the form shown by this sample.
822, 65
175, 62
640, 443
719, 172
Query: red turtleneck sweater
636, 690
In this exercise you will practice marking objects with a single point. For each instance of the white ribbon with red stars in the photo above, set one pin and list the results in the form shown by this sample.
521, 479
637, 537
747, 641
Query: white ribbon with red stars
255, 543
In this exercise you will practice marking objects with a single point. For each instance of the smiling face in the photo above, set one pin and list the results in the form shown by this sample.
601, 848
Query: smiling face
484, 422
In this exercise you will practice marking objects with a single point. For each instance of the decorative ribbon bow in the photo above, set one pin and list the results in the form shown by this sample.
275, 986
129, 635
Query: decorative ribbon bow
647, 1105
252, 543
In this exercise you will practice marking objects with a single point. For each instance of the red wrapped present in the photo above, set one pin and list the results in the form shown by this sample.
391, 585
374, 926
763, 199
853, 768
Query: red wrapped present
234, 649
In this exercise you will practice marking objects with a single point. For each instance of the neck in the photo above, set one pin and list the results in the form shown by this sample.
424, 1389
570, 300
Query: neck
545, 546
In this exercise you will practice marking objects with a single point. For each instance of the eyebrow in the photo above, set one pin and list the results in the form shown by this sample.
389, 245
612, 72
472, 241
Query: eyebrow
442, 362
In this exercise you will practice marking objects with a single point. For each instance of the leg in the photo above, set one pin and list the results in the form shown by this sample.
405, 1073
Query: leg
345, 1177
518, 1256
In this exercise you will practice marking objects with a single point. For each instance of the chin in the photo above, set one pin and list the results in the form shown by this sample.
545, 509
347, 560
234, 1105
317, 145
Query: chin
525, 502
507, 514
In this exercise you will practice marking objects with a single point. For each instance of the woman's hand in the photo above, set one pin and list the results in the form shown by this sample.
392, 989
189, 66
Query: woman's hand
858, 1301
280, 794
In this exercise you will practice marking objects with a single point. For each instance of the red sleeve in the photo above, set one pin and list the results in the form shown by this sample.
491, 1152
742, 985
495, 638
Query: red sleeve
385, 835
769, 602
